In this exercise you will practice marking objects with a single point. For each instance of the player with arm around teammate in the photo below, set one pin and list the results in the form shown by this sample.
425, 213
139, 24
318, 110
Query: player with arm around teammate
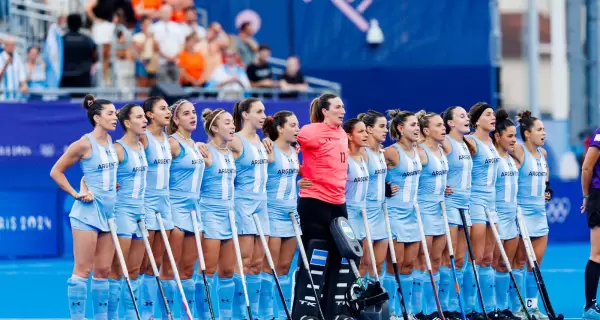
216, 202
185, 179
156, 198
458, 151
251, 161
282, 128
432, 186
404, 168
533, 192
505, 139
129, 208
92, 243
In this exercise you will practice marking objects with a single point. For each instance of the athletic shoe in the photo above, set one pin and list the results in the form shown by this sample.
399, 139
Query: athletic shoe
475, 316
535, 312
520, 313
497, 315
420, 316
449, 315
510, 315
434, 316
591, 313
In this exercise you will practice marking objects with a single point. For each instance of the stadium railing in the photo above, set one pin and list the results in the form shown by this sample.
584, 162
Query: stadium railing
117, 94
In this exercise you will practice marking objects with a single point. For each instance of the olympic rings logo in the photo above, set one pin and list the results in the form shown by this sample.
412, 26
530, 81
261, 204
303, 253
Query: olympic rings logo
558, 209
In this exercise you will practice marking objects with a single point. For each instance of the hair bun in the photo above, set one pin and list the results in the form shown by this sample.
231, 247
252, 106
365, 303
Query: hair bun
206, 113
393, 113
88, 101
360, 116
501, 115
420, 114
524, 115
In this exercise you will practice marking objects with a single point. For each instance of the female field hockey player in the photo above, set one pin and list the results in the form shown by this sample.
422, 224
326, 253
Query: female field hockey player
185, 179
251, 162
156, 199
532, 193
358, 181
404, 168
216, 201
483, 193
505, 138
430, 193
282, 128
590, 185
324, 147
376, 125
92, 243
129, 209
458, 151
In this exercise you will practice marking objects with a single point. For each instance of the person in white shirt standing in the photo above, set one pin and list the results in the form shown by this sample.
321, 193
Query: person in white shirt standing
12, 72
171, 38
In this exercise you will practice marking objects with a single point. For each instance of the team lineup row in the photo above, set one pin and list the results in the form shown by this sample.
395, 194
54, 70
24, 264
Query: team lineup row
467, 161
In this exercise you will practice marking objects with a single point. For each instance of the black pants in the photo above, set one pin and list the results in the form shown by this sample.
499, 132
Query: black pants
315, 218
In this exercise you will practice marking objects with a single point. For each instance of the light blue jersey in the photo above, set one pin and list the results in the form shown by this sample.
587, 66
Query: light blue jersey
159, 164
281, 182
432, 184
485, 167
100, 176
186, 171
506, 185
217, 183
433, 178
131, 176
460, 166
377, 172
217, 194
532, 179
406, 175
401, 206
281, 191
357, 183
251, 170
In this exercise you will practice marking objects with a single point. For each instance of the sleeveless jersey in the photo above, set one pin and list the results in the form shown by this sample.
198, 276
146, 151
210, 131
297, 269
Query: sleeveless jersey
406, 175
377, 172
460, 166
532, 179
217, 183
186, 171
159, 159
357, 183
432, 182
281, 182
506, 185
131, 175
251, 171
485, 167
100, 174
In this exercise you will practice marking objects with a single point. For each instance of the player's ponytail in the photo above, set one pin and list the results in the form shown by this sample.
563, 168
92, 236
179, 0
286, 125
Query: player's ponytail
239, 108
526, 121
317, 106
397, 118
271, 124
94, 107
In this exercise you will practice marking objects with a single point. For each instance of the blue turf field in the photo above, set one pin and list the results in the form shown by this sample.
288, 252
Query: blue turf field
37, 288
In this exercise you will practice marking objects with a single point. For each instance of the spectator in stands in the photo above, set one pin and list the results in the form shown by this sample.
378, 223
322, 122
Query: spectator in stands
230, 78
171, 38
293, 78
12, 71
191, 19
146, 8
122, 45
246, 45
259, 72
101, 13
79, 56
191, 64
36, 69
179, 9
216, 42
145, 51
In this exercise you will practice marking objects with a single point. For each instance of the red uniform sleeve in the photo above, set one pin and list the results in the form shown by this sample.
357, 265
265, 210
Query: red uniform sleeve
306, 137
